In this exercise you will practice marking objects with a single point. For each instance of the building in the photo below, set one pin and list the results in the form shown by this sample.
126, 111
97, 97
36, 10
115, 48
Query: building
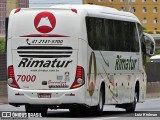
5, 8
146, 10
12, 4
2, 16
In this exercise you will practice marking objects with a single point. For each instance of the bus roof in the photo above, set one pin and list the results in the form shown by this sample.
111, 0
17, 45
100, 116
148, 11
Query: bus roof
96, 9
93, 11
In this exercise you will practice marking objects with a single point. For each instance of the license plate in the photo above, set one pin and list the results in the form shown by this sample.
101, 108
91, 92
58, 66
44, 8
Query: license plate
44, 95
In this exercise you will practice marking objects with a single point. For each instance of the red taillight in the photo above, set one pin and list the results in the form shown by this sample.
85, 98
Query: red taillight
74, 10
17, 10
79, 79
10, 72
11, 78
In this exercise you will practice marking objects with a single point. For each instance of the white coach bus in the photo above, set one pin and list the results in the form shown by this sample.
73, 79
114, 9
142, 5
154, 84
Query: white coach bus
74, 57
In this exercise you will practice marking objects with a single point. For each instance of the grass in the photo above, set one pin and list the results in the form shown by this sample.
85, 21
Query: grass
157, 51
2, 45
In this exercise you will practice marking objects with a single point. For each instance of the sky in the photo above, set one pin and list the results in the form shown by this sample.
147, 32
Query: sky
47, 3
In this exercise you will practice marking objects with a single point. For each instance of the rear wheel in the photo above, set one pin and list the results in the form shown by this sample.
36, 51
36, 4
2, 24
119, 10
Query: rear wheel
36, 109
99, 108
132, 106
74, 111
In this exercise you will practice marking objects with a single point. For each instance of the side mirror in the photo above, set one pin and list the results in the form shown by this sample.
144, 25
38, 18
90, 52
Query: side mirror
150, 44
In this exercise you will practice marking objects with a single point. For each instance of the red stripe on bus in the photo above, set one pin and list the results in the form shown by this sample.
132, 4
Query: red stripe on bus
44, 35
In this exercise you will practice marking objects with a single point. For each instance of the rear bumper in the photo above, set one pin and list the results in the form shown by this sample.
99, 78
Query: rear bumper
58, 97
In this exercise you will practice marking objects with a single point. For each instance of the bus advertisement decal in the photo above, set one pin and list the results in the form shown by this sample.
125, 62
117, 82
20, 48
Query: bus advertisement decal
44, 42
92, 78
26, 62
60, 84
45, 22
26, 78
125, 64
67, 77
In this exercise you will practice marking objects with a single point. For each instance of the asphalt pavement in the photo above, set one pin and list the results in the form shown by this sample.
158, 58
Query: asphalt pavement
148, 110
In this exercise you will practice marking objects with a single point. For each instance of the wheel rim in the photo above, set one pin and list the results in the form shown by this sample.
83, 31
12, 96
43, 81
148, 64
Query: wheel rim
136, 98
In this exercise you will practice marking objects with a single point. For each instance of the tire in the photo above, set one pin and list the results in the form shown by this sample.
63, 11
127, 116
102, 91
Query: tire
98, 110
74, 111
132, 106
79, 110
36, 109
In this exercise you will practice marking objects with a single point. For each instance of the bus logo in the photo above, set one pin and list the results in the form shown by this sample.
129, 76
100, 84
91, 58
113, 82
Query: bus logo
45, 22
125, 64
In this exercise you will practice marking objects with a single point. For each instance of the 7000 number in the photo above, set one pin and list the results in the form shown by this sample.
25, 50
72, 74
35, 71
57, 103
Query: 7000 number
26, 78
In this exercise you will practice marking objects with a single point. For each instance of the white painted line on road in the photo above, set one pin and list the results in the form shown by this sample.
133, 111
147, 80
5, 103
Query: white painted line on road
105, 118
148, 99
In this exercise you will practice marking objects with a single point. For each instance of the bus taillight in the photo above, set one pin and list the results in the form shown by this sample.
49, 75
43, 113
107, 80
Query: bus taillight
11, 78
80, 78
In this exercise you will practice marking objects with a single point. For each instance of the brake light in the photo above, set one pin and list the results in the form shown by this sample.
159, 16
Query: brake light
79, 79
74, 10
11, 78
17, 10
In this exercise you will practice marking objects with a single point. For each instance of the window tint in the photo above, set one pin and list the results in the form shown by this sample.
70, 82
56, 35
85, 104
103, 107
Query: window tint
140, 30
112, 35
134, 38
100, 34
91, 32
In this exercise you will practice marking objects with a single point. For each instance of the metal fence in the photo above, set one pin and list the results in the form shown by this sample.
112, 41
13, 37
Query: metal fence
152, 70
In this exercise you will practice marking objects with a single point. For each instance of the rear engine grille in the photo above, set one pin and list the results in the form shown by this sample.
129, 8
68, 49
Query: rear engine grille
44, 51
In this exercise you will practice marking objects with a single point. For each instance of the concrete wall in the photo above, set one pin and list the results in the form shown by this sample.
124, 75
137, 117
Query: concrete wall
3, 92
152, 71
153, 89
3, 88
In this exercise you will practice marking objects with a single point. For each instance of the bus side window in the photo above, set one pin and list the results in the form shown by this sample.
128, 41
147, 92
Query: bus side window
107, 42
111, 36
118, 35
135, 40
143, 44
100, 34
91, 32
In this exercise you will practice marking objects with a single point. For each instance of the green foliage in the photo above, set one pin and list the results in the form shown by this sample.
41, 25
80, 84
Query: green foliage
2, 45
157, 51
148, 59
150, 32
158, 32
144, 28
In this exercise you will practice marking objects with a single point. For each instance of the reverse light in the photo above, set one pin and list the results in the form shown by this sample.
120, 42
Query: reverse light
11, 78
79, 79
